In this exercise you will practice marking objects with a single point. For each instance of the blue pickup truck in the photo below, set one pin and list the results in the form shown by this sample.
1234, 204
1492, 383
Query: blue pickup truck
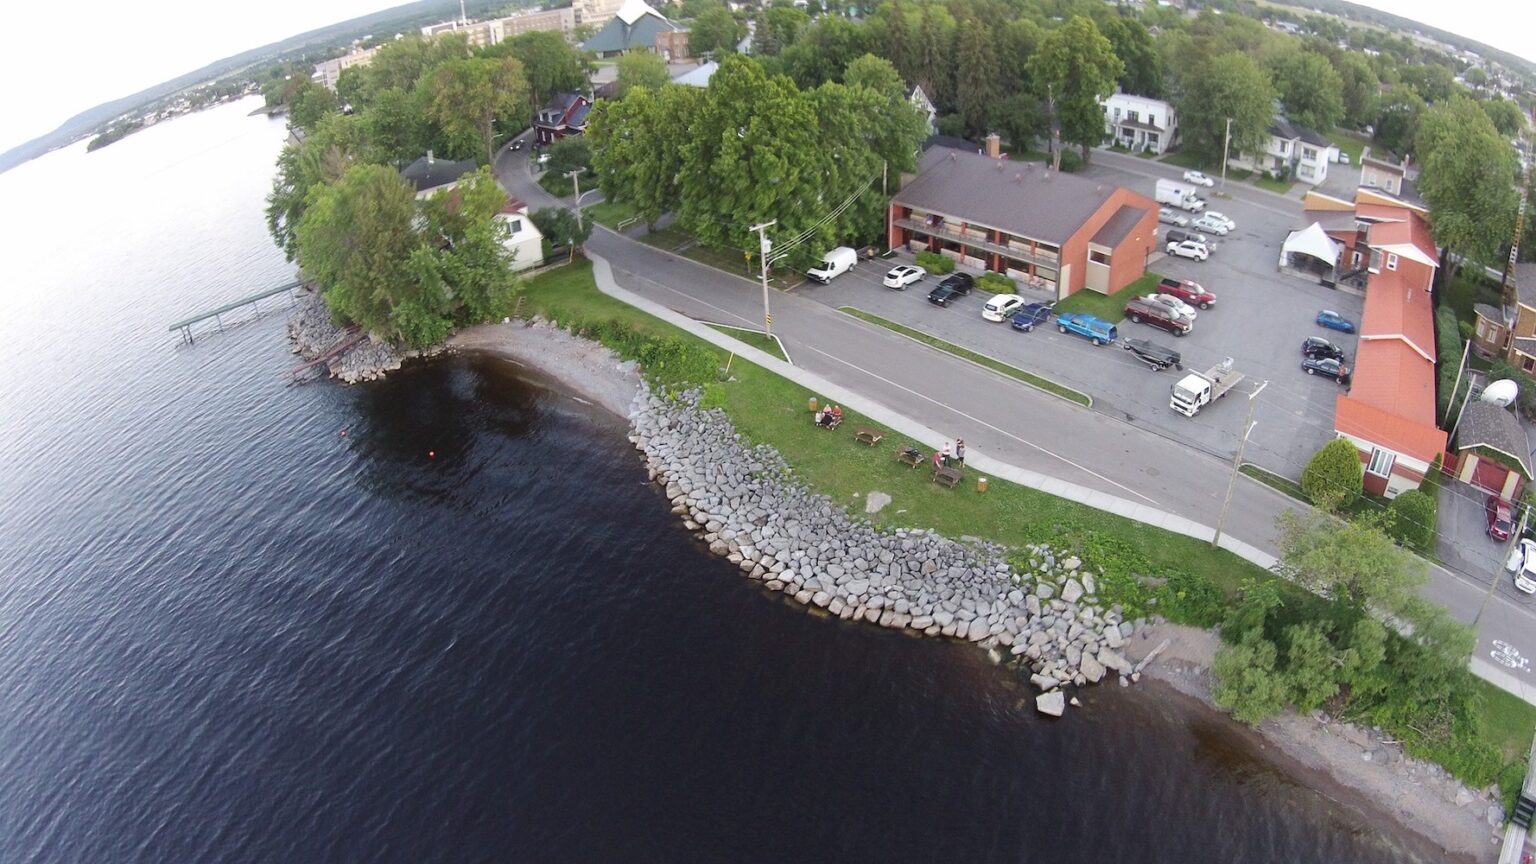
1090, 327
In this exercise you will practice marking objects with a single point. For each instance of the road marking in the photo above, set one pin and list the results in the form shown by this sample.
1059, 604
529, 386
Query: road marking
1506, 654
978, 421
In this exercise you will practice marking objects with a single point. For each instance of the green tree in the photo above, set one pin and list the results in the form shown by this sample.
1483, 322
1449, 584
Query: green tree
1398, 112
1016, 43
1246, 680
1080, 68
1132, 43
642, 69
1466, 176
637, 147
1434, 83
310, 104
1476, 77
1361, 88
321, 158
933, 65
467, 264
1411, 520
550, 65
976, 79
777, 28
1311, 667
1352, 562
469, 97
877, 74
396, 126
1229, 86
355, 241
824, 51
404, 62
570, 154
1333, 476
1313, 92
892, 37
1505, 115
1020, 119
561, 226
715, 32
1361, 664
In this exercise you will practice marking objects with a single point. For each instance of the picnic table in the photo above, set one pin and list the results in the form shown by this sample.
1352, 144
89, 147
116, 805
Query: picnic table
910, 456
866, 435
949, 477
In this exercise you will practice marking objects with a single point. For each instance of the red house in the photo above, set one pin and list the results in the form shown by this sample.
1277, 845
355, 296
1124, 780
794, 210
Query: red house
565, 115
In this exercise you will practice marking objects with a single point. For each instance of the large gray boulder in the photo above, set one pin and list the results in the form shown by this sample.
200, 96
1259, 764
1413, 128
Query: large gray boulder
1053, 703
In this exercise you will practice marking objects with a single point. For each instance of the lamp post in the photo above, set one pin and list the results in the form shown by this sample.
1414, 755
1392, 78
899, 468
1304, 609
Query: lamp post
1236, 464
764, 246
1226, 143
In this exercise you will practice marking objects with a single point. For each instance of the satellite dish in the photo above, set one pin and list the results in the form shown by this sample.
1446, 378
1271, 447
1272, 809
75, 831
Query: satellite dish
1501, 393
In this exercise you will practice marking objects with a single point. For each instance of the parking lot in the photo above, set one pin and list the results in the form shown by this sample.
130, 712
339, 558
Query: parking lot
1260, 321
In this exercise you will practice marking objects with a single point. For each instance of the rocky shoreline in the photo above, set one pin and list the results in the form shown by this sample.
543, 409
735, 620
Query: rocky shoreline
312, 333
745, 503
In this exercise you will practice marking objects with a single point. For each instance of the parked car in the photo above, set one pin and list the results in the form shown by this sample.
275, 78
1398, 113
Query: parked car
1198, 178
1145, 310
1208, 222
1001, 307
1175, 303
1318, 348
1179, 235
1189, 249
1031, 316
1334, 321
903, 275
954, 285
1501, 518
1189, 291
1522, 560
1090, 327
1222, 218
833, 264
1326, 367
1171, 217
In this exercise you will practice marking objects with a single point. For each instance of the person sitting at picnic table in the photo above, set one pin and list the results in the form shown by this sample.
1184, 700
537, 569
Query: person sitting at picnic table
837, 413
821, 416
938, 460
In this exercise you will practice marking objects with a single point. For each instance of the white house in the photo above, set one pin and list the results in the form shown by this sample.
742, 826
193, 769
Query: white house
524, 240
919, 99
1141, 123
1292, 151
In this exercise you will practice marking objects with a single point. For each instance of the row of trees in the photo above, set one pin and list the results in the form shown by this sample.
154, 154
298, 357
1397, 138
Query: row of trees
753, 147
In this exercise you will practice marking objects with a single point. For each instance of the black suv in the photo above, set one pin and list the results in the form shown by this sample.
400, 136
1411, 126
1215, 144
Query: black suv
1318, 348
954, 285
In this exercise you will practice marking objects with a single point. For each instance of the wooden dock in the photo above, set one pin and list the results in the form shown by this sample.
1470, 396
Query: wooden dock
185, 325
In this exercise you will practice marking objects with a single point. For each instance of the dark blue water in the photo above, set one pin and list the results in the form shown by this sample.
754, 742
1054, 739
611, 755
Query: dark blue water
230, 633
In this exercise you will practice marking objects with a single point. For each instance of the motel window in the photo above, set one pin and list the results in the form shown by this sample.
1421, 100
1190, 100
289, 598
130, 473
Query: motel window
1528, 364
1381, 462
1098, 257
1391, 260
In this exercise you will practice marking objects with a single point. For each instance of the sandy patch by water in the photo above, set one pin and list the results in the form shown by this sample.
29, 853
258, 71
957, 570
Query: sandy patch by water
578, 365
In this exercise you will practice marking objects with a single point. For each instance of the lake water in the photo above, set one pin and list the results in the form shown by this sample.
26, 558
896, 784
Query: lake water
230, 633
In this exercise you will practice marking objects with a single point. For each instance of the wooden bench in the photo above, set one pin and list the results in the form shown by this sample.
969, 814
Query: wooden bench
911, 456
866, 435
949, 477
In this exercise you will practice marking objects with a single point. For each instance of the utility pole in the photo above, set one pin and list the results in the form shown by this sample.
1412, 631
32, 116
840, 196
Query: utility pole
1525, 513
1226, 143
764, 246
575, 175
1237, 463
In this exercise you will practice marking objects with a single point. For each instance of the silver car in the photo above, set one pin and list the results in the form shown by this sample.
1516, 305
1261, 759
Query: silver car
1171, 217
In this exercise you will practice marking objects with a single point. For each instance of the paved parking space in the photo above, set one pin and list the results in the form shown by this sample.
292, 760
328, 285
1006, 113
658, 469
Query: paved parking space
1465, 547
1260, 321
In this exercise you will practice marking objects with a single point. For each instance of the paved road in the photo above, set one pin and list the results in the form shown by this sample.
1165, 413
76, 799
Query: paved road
1004, 418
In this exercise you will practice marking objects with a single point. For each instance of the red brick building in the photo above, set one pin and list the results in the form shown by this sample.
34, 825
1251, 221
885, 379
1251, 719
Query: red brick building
1024, 220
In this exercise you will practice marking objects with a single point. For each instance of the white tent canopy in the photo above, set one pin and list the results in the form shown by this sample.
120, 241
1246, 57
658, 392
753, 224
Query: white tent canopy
1313, 241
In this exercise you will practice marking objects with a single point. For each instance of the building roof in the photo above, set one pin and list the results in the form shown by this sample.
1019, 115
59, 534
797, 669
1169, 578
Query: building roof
561, 103
1369, 211
1397, 310
698, 76
1374, 161
429, 172
1492, 313
1399, 434
1024, 199
635, 26
1407, 196
935, 147
1313, 240
1484, 424
1337, 221
1525, 284
1119, 225
1409, 239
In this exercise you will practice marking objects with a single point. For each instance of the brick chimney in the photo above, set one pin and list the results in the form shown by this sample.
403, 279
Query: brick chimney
994, 146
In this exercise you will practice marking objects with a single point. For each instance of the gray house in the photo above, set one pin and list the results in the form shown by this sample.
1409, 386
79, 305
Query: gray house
633, 28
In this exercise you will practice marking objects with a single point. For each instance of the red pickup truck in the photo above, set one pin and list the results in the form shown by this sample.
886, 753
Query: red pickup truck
1188, 291
1159, 315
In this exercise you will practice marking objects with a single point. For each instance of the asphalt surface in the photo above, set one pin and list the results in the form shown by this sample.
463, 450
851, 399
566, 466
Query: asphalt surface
1011, 421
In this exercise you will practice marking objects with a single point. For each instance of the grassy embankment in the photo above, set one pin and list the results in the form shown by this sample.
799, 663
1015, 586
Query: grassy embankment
1110, 307
772, 410
979, 359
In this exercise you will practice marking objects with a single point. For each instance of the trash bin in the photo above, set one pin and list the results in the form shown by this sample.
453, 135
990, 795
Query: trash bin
813, 404
981, 484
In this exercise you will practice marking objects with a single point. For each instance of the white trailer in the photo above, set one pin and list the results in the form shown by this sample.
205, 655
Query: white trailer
1179, 194
1199, 389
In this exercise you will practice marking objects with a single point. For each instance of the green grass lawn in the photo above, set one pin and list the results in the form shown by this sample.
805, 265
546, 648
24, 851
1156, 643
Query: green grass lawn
1263, 181
557, 185
1347, 143
1185, 159
756, 338
609, 213
772, 410
733, 261
995, 365
1109, 307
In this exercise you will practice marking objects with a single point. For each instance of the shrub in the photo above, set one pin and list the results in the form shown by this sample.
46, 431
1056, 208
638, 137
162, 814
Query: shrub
935, 263
1466, 330
1411, 520
951, 125
1333, 476
1071, 160
995, 283
1190, 599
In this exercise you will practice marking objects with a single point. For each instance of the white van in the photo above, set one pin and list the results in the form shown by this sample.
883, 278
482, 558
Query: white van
834, 263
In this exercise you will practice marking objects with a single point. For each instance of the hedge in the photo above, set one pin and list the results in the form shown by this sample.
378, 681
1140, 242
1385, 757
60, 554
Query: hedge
1448, 344
935, 263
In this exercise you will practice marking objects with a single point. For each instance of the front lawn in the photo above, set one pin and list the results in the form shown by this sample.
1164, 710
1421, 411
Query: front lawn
1186, 159
609, 213
756, 338
1350, 145
1109, 307
1264, 181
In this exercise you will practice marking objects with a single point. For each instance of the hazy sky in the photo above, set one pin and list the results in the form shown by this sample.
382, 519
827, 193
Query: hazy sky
58, 61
